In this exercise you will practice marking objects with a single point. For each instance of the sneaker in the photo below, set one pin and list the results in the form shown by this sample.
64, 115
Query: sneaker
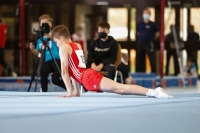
160, 93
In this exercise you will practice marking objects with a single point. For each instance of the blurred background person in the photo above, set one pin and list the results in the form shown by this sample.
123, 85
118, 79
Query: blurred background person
147, 31
102, 52
3, 36
123, 67
79, 37
171, 51
190, 68
48, 65
192, 36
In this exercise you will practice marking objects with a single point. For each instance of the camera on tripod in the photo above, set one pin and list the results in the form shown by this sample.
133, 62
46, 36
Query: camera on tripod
44, 29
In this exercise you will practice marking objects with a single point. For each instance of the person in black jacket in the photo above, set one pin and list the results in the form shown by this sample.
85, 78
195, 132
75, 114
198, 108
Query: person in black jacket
102, 52
171, 51
192, 36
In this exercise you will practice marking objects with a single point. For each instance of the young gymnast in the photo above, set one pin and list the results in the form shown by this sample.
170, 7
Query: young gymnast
73, 64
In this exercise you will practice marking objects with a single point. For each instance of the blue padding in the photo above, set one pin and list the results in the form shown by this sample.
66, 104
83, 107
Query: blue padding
137, 81
168, 81
143, 75
16, 79
150, 82
22, 83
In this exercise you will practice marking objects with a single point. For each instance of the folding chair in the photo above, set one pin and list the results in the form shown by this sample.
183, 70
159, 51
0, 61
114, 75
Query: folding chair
117, 62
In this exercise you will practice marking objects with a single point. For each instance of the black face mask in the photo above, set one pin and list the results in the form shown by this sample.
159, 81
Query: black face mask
102, 35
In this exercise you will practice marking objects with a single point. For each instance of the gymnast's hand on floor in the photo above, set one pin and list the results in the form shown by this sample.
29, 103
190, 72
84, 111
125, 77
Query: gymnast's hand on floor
76, 95
69, 95
65, 96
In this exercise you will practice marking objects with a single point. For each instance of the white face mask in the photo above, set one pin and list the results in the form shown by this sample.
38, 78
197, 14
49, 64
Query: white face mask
146, 16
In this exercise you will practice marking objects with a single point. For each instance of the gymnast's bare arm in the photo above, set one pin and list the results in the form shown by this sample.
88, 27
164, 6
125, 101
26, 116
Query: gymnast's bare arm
65, 52
76, 88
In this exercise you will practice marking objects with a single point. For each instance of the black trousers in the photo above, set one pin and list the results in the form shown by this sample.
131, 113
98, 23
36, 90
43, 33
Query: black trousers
110, 68
46, 69
193, 54
3, 63
142, 50
124, 69
176, 65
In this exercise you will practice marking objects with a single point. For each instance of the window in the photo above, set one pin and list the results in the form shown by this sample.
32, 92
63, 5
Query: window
82, 20
169, 19
132, 60
195, 17
183, 23
117, 18
133, 24
152, 17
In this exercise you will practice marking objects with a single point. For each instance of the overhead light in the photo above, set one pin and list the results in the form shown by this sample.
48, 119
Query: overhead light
174, 2
102, 3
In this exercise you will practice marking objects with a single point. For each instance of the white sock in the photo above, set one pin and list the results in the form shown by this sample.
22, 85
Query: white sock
150, 93
158, 93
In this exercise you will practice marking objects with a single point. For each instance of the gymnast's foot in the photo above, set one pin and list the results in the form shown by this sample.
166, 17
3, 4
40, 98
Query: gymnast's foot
159, 93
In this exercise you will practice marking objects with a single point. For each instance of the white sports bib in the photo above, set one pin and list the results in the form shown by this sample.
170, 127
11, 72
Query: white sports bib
81, 58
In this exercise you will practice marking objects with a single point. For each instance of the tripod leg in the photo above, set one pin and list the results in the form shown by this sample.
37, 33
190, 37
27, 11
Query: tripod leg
54, 62
53, 59
178, 55
39, 66
36, 84
32, 77
50, 78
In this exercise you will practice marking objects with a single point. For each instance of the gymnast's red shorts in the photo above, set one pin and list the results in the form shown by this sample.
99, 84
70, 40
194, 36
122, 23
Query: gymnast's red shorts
91, 80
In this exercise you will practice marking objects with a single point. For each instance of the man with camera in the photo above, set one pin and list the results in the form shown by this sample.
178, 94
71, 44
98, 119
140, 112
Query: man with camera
48, 65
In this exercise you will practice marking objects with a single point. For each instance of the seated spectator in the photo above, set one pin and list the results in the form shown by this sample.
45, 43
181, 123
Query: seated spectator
123, 67
102, 52
190, 68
